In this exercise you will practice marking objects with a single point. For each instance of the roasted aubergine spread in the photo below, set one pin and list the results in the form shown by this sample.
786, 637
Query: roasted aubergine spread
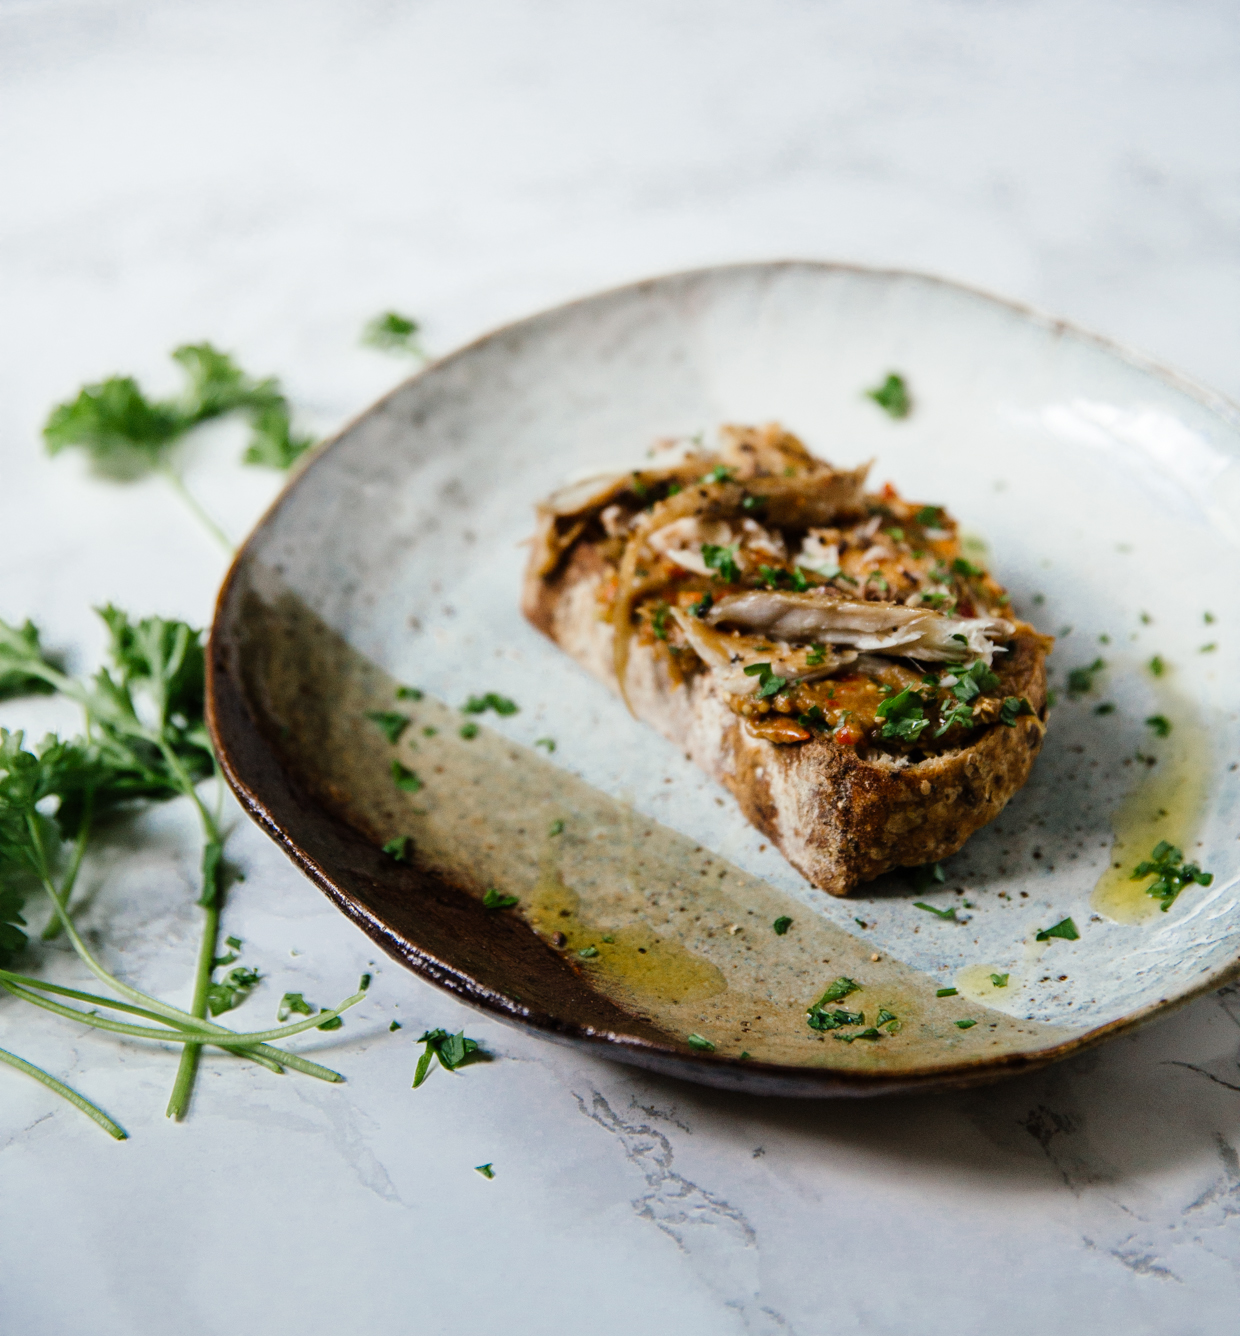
831, 655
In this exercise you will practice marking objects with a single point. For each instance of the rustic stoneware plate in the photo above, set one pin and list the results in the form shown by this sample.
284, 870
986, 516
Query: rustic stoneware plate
1109, 494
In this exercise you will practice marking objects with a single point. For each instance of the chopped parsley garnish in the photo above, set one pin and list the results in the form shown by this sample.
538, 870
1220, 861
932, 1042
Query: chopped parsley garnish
406, 779
1065, 928
494, 899
658, 622
700, 1045
1208, 618
723, 560
556, 828
639, 486
481, 704
398, 848
768, 683
752, 503
548, 743
816, 657
429, 731
390, 723
1012, 709
772, 576
929, 516
965, 1025
949, 913
962, 567
781, 925
703, 605
887, 1020
720, 473
452, 1050
823, 1018
588, 952
393, 333
395, 1025
1081, 680
363, 983
903, 715
1171, 874
469, 731
1157, 666
892, 396
486, 1170
409, 693
863, 1034
1160, 724
799, 582
1105, 708
294, 1003
947, 992
896, 533
1000, 980
231, 990
331, 1023
1208, 649
815, 720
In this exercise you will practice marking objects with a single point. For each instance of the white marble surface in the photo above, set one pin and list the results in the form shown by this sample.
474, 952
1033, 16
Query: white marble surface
268, 175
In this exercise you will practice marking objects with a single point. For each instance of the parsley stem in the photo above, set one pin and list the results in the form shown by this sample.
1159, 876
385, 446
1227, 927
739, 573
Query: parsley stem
178, 1101
52, 930
92, 1111
175, 481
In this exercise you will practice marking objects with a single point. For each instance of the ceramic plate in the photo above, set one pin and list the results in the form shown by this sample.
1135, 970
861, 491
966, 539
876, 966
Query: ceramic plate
1107, 493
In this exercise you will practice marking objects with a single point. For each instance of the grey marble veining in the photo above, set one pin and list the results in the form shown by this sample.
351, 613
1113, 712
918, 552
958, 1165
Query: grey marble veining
268, 176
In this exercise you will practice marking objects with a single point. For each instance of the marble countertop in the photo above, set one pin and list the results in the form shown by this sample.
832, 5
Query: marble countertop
268, 175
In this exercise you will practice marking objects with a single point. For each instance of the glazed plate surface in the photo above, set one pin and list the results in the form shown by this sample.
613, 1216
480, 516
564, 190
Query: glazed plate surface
1104, 492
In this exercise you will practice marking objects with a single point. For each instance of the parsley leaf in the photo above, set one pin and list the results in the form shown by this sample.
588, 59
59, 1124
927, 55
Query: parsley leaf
700, 1045
393, 333
703, 605
965, 1024
491, 701
841, 988
929, 516
821, 1018
452, 1050
292, 1003
390, 723
1160, 724
486, 1170
1172, 875
1000, 980
720, 473
658, 622
1081, 680
768, 683
494, 899
231, 990
399, 849
1012, 709
1065, 928
723, 560
22, 660
892, 396
781, 925
962, 567
816, 657
903, 715
406, 779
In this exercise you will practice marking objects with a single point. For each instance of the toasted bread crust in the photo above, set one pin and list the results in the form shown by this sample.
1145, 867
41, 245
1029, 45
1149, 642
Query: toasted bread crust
838, 817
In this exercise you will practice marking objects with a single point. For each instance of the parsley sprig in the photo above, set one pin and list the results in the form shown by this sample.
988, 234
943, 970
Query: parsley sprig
144, 741
126, 435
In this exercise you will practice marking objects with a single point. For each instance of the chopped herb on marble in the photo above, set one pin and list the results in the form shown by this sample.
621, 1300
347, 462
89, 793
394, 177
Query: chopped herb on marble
486, 1170
293, 1004
394, 1025
452, 1050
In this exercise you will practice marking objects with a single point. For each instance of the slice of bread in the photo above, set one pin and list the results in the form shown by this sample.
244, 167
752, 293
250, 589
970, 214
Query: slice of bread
860, 727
